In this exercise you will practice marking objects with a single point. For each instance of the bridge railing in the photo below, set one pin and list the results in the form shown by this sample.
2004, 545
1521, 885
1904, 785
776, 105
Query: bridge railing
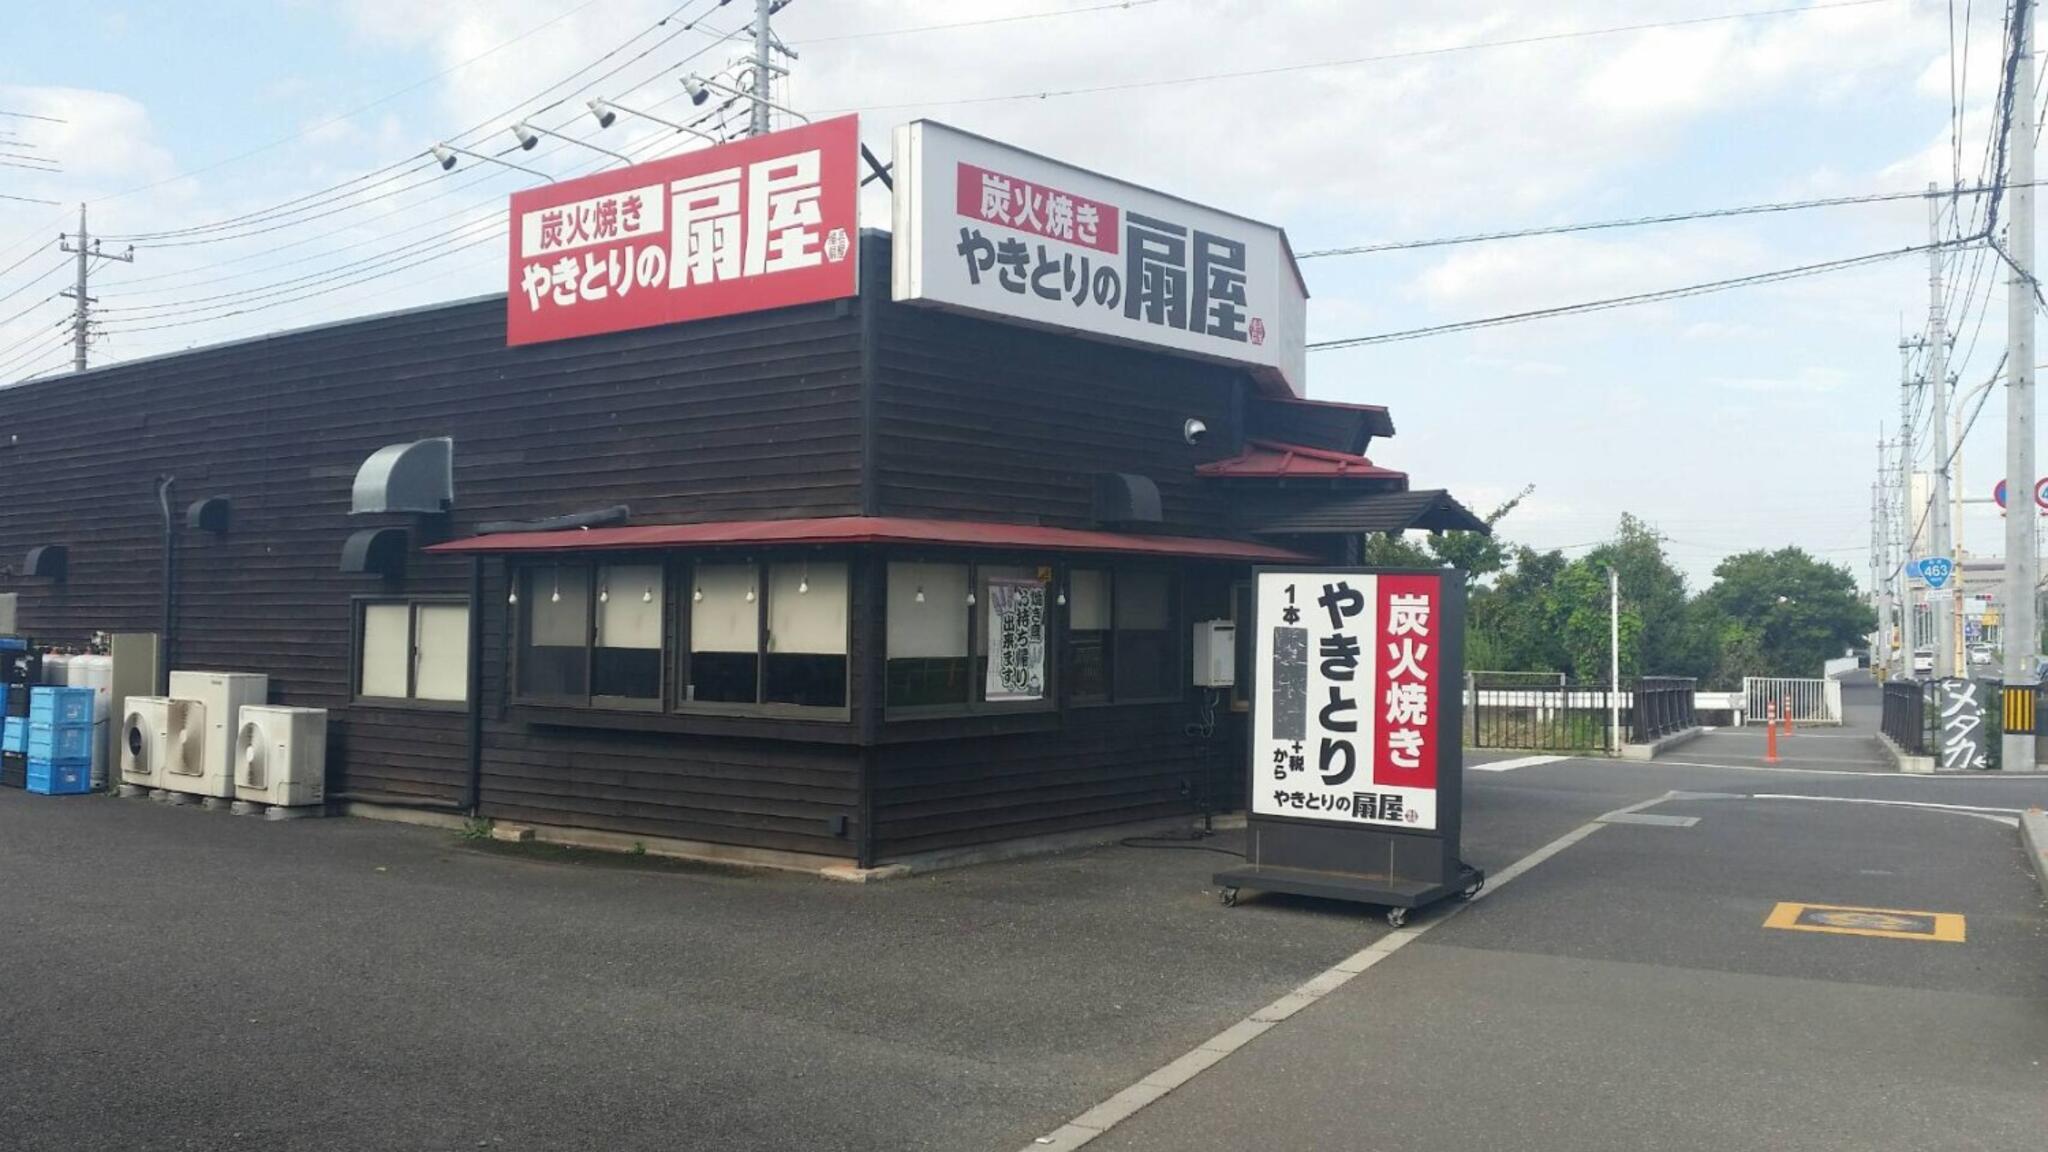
1660, 705
1907, 719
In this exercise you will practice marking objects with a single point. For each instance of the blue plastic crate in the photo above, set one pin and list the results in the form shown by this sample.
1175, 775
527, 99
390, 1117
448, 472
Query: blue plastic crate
59, 741
60, 777
14, 735
54, 704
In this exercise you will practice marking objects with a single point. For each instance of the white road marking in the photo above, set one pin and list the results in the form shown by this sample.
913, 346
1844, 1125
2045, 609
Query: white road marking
2006, 816
1088, 1125
1511, 765
1893, 775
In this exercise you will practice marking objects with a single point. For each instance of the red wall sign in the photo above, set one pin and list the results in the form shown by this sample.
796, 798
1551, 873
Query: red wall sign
764, 222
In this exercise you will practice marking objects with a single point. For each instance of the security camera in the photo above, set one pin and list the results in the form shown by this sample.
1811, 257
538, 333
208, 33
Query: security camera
1193, 431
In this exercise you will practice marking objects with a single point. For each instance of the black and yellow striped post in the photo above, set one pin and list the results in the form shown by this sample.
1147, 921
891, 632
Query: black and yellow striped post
2019, 707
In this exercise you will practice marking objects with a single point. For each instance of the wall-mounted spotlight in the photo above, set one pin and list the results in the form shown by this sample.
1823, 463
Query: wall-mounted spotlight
446, 154
528, 136
607, 112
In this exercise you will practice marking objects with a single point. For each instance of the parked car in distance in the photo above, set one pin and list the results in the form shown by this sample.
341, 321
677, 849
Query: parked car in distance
1980, 654
1923, 661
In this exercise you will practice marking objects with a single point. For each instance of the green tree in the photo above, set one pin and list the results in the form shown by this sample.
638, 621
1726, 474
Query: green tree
1783, 613
1668, 643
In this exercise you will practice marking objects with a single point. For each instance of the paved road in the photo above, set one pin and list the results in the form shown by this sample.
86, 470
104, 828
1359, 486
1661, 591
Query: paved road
178, 979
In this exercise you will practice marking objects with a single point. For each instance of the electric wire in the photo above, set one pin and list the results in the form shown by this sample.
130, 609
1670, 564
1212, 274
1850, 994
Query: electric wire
1377, 58
1118, 5
1698, 289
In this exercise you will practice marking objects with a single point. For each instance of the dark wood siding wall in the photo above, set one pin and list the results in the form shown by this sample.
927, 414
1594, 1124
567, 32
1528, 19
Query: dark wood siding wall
751, 416
992, 421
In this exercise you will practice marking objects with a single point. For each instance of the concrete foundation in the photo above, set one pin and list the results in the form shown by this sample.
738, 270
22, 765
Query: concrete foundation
1650, 750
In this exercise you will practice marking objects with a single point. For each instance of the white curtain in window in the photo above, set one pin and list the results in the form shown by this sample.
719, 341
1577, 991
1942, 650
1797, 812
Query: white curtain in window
722, 617
1088, 600
936, 627
812, 621
1141, 601
387, 640
561, 608
443, 672
629, 614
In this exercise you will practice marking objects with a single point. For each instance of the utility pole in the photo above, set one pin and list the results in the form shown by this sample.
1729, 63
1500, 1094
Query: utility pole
1909, 632
2022, 525
88, 250
763, 67
1614, 656
1939, 532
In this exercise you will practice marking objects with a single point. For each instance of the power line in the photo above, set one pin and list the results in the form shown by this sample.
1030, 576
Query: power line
1019, 17
361, 108
1699, 289
1378, 58
1636, 221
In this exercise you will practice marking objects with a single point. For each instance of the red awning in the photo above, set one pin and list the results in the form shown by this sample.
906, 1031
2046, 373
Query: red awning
870, 530
1265, 458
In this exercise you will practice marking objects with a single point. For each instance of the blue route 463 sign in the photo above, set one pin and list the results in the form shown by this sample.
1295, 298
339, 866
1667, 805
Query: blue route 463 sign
1936, 570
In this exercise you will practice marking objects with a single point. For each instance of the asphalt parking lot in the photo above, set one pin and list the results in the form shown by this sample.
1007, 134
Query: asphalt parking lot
182, 979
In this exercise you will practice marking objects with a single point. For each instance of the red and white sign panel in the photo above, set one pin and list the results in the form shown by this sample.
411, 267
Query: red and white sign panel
986, 228
764, 222
1344, 722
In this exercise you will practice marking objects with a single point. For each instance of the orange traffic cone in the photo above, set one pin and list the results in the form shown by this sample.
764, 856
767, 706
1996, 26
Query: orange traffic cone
1771, 734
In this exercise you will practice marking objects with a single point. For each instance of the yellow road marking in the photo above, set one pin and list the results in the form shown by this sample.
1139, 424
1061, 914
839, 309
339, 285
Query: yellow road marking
1845, 920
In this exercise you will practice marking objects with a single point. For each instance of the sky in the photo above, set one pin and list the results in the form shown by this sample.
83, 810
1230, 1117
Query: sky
212, 136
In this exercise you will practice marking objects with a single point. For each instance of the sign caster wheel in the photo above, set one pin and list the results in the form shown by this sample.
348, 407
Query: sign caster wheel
1396, 917
1229, 897
1472, 890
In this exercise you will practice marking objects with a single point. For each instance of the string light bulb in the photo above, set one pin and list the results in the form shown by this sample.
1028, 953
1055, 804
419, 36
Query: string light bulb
920, 593
803, 584
750, 593
647, 597
556, 596
513, 597
970, 595
698, 595
1061, 599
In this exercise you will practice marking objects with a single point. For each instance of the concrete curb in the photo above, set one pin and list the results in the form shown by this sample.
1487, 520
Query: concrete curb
2034, 838
1906, 761
1649, 751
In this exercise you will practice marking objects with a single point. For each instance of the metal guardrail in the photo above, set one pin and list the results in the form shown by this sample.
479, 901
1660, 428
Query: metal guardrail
1907, 718
1545, 718
1659, 706
1578, 717
1808, 700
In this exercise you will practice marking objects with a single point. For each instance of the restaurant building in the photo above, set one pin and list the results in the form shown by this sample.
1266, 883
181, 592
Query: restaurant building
845, 576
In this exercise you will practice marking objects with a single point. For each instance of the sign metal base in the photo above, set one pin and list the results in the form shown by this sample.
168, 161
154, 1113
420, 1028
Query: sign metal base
1395, 870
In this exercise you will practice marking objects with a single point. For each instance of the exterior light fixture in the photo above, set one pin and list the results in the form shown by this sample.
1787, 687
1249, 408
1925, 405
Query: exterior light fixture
556, 596
750, 595
604, 593
647, 597
445, 154
700, 88
920, 593
697, 597
513, 597
529, 136
1061, 599
694, 85
803, 584
607, 113
970, 596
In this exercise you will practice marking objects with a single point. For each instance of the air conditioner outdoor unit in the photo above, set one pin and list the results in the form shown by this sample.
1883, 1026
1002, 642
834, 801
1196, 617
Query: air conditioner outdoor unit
159, 736
281, 756
223, 695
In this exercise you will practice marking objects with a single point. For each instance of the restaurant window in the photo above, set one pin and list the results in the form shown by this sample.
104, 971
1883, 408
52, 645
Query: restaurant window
768, 634
927, 636
806, 635
554, 662
1147, 660
413, 650
725, 635
1121, 641
1089, 635
625, 658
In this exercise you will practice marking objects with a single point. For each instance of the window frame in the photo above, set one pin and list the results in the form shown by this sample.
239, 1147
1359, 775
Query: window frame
359, 617
677, 633
1177, 626
977, 673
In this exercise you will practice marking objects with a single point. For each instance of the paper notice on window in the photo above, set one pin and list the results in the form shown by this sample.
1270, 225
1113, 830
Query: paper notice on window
1016, 633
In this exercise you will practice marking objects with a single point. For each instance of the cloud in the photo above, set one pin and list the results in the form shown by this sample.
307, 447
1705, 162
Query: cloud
1808, 380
